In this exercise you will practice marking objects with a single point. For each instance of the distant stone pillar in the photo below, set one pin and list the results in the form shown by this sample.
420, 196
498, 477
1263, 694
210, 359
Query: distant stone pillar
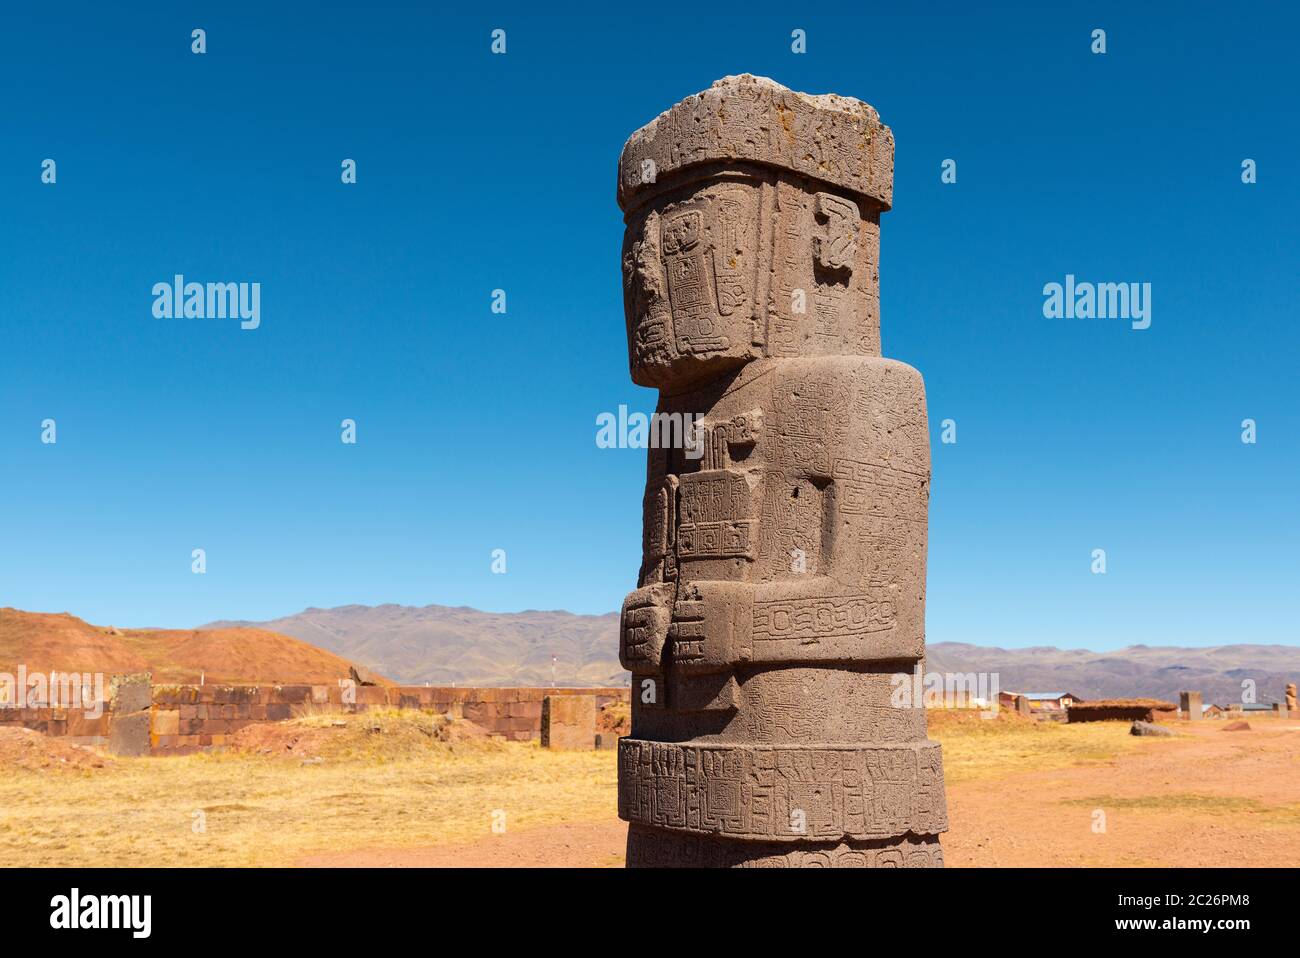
130, 708
1290, 697
783, 575
569, 722
1190, 704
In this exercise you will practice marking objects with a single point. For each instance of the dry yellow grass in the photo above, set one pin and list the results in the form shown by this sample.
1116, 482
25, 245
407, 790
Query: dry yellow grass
410, 784
975, 748
1186, 804
377, 789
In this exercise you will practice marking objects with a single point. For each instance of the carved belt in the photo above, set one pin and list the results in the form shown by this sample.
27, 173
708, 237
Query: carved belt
783, 792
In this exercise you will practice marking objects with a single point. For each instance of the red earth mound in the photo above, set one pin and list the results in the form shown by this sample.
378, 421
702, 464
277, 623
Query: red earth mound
980, 718
615, 717
281, 738
25, 749
62, 642
383, 733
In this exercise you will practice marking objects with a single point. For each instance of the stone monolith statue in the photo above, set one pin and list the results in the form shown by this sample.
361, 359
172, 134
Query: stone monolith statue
781, 599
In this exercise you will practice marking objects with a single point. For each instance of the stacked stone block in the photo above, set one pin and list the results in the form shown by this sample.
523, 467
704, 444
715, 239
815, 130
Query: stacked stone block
141, 718
191, 717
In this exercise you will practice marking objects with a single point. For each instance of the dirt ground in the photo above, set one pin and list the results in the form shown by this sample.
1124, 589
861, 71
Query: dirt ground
584, 845
402, 788
1209, 797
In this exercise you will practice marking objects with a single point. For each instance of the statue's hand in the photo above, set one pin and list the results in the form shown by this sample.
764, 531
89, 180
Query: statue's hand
712, 625
643, 629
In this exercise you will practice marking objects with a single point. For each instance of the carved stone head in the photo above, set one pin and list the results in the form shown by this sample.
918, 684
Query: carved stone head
741, 244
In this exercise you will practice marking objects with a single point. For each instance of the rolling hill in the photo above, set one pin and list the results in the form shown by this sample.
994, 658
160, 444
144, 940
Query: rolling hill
47, 642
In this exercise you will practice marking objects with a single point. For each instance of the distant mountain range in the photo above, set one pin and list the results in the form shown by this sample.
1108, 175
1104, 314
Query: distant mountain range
443, 645
1138, 671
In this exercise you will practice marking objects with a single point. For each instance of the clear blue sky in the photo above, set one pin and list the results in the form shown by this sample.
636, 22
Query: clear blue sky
476, 431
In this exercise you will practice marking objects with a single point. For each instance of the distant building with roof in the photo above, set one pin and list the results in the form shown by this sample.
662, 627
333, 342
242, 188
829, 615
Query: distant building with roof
1050, 701
1044, 705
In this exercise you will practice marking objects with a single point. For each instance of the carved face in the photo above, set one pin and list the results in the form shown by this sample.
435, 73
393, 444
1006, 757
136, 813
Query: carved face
689, 280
